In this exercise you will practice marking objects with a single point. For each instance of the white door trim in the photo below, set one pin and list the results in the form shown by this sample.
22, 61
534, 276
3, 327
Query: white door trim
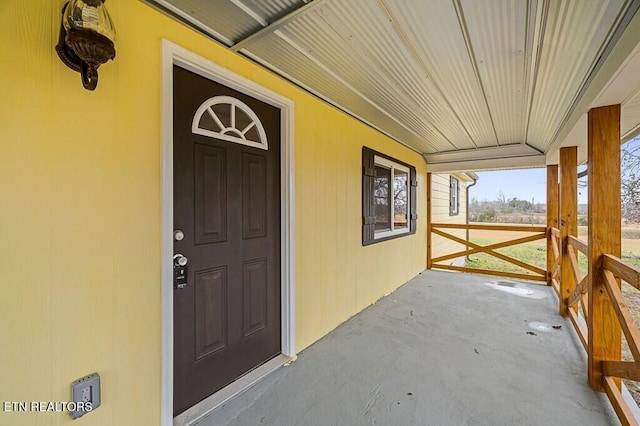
173, 54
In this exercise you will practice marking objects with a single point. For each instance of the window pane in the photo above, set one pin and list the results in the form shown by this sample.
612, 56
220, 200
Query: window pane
381, 194
400, 199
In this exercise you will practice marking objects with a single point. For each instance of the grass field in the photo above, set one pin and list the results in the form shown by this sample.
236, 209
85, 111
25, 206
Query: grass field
534, 252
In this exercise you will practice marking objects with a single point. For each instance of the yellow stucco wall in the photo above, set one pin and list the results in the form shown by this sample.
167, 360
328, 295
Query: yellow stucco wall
80, 184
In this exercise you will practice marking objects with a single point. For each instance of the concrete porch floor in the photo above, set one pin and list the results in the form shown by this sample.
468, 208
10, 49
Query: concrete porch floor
444, 349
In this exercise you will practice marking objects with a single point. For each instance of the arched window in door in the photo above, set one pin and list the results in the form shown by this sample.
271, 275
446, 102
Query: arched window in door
229, 119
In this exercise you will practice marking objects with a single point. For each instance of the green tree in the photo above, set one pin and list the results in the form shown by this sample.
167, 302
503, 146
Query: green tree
488, 214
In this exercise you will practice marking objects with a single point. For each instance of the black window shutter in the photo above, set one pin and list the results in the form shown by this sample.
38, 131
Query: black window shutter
452, 189
454, 196
368, 208
413, 204
457, 196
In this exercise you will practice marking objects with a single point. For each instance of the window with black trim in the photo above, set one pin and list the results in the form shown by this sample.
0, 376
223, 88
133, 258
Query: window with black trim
388, 197
454, 201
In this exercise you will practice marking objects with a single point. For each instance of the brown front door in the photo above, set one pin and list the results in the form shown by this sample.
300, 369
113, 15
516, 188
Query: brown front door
227, 224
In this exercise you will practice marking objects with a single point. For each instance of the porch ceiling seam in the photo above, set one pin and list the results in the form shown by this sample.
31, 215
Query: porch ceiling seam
533, 147
274, 26
414, 52
520, 162
335, 75
401, 90
297, 83
246, 9
532, 68
474, 64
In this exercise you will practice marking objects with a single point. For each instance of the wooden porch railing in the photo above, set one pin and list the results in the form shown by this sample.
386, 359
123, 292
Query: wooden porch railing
614, 270
578, 297
613, 370
535, 273
554, 270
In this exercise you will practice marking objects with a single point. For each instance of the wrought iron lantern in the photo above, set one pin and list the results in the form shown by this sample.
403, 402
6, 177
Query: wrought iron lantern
86, 38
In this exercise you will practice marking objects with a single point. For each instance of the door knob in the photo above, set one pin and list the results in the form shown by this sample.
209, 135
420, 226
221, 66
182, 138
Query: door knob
180, 260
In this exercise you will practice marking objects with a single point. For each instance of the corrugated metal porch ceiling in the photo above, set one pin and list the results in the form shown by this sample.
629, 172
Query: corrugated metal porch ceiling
453, 79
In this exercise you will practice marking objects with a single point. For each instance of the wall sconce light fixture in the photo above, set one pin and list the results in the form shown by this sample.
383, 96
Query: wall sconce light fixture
86, 38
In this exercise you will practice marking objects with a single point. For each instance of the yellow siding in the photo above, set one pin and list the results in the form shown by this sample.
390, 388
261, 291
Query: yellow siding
334, 267
440, 214
80, 183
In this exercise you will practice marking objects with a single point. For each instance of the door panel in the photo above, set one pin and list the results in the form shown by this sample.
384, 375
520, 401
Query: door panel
254, 294
211, 311
211, 194
227, 204
254, 203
